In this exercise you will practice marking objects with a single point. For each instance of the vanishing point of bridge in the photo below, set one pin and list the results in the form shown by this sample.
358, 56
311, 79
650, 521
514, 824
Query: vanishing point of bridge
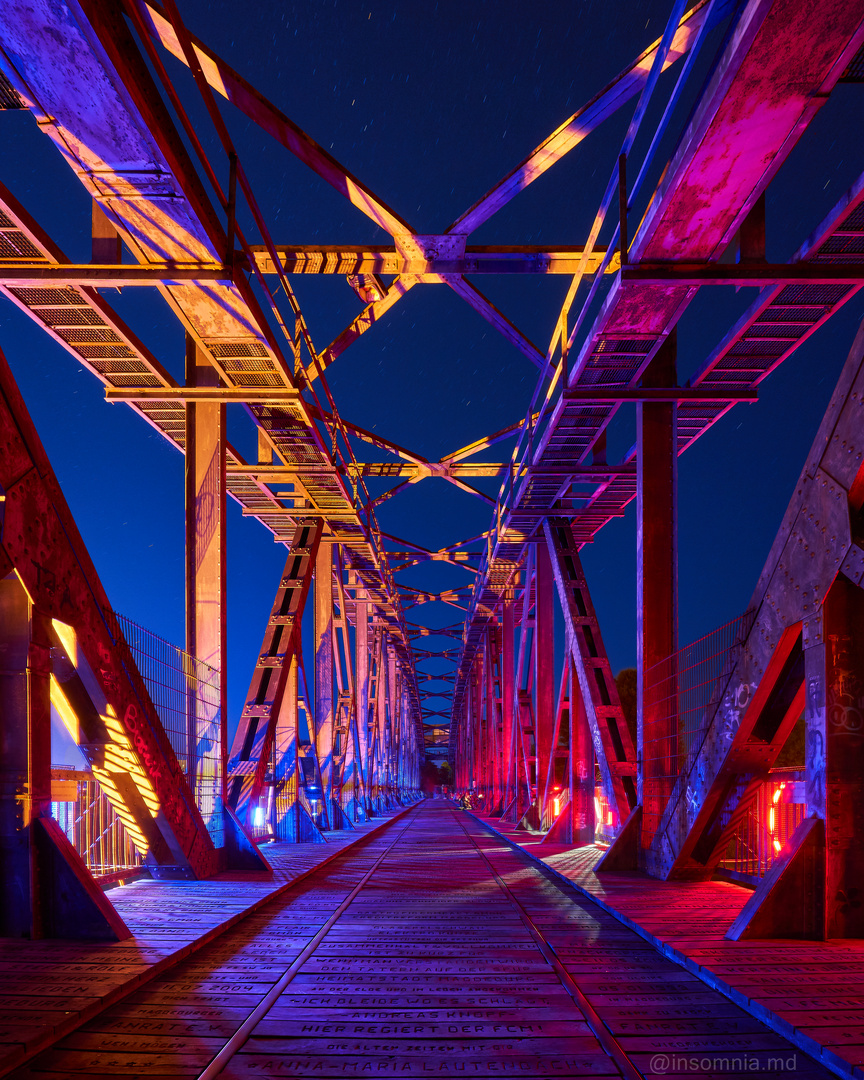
505, 862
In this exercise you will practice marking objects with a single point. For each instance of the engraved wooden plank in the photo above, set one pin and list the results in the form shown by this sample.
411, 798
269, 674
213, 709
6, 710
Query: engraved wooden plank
137, 1043
528, 1066
699, 1044
548, 998
659, 1027
613, 1015
422, 966
743, 1064
457, 1016
416, 1029
846, 1034
115, 1063
810, 1018
451, 983
624, 997
168, 1012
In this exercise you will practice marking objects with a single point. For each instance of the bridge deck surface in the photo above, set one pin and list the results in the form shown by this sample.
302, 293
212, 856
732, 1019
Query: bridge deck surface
810, 992
431, 948
49, 988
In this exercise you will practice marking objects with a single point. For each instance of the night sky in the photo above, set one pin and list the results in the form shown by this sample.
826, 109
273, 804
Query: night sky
430, 104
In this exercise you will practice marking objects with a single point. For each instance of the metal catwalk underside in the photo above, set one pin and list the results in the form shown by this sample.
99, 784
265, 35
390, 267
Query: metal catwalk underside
375, 966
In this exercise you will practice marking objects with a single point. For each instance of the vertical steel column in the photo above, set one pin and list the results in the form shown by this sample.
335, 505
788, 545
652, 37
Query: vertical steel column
493, 743
524, 717
477, 721
16, 800
206, 610
286, 823
656, 579
376, 723
508, 702
324, 672
834, 679
361, 690
544, 660
381, 699
47, 890
392, 723
581, 768
37, 802
253, 740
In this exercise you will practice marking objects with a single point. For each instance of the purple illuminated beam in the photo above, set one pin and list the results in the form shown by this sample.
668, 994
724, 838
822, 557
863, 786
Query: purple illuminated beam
629, 83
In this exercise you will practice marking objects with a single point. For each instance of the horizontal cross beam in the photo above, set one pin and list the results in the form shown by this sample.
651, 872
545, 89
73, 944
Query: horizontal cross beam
267, 395
349, 259
299, 514
397, 469
96, 276
673, 393
755, 274
385, 469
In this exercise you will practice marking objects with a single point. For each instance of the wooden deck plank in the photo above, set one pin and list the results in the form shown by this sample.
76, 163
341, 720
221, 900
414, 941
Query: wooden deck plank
418, 974
794, 987
64, 984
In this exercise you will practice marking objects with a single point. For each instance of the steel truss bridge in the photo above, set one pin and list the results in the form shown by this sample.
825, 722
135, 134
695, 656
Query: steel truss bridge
686, 789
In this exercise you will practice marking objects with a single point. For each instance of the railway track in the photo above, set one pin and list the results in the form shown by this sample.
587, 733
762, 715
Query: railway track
433, 949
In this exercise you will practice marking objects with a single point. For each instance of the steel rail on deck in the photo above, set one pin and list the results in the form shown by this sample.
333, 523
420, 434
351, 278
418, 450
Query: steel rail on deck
241, 1035
604, 1036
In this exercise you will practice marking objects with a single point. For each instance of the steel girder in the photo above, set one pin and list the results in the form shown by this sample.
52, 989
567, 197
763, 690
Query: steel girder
723, 163
124, 148
95, 686
253, 741
795, 658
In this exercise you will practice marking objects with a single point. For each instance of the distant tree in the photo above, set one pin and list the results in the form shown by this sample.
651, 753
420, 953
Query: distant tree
445, 774
792, 754
625, 680
429, 777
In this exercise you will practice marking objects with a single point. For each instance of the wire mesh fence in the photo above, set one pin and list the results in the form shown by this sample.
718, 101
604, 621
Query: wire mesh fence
681, 695
765, 825
83, 812
186, 694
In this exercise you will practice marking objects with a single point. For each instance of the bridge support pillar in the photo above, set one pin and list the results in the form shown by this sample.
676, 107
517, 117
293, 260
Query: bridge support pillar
47, 890
656, 584
544, 660
324, 673
361, 690
206, 629
508, 702
581, 769
834, 749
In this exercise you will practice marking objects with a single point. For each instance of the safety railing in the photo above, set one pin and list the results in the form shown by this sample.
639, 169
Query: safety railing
681, 695
186, 694
557, 802
605, 819
85, 815
768, 822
